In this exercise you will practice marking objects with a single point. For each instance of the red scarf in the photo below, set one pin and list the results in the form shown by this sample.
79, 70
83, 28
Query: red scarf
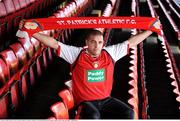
42, 24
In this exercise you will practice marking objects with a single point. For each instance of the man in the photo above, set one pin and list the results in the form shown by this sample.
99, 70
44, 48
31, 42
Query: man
92, 72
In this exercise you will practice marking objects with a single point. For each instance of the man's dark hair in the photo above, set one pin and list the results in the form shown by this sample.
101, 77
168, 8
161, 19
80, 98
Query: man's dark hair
93, 32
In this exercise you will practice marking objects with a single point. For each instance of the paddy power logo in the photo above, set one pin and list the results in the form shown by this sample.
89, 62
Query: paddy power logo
96, 75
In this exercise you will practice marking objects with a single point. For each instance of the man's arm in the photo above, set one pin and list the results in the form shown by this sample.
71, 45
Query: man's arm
45, 39
135, 40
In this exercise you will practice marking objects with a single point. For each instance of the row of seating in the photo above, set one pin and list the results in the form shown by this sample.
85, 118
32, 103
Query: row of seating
171, 21
20, 70
169, 58
22, 63
12, 6
175, 4
177, 32
173, 9
61, 109
12, 12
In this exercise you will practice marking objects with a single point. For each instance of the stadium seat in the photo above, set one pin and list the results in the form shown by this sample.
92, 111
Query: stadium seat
28, 47
50, 55
60, 111
4, 72
45, 58
67, 97
31, 1
28, 2
13, 19
4, 104
11, 61
2, 9
17, 5
15, 94
3, 24
20, 53
39, 65
9, 5
22, 3
32, 73
24, 84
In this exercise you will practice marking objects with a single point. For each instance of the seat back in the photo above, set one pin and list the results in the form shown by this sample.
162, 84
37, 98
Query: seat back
11, 61
16, 4
4, 72
27, 2
28, 47
15, 94
4, 103
60, 111
3, 11
22, 3
9, 6
24, 84
20, 53
67, 97
31, 1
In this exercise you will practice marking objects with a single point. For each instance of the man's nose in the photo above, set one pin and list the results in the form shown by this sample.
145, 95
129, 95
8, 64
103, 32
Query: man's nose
96, 44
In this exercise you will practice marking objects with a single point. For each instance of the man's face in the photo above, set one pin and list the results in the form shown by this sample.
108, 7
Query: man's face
95, 45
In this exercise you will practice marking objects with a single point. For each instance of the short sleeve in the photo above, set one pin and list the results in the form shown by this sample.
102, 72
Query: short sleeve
118, 51
68, 53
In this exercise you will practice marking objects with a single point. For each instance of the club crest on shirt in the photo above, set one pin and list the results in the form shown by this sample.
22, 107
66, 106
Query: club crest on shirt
95, 64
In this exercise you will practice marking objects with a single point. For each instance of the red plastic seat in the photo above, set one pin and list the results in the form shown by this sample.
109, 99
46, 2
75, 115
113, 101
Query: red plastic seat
22, 3
16, 4
60, 111
24, 84
3, 24
15, 94
4, 103
28, 2
67, 97
32, 1
11, 61
4, 72
39, 65
9, 6
3, 11
20, 53
28, 47
32, 73
45, 58
50, 51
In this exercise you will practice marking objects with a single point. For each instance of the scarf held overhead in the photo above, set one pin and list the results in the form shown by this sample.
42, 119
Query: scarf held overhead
36, 25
